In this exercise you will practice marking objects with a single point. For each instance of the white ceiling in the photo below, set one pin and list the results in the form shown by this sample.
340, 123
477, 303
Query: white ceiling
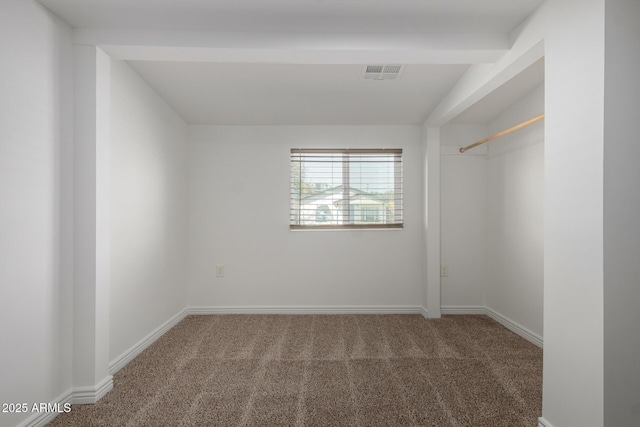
298, 94
297, 15
269, 92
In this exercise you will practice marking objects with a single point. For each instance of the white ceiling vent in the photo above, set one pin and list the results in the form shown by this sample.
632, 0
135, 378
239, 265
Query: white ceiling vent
382, 72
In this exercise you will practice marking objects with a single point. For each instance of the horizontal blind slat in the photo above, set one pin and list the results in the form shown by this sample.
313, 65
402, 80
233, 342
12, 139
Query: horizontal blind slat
346, 151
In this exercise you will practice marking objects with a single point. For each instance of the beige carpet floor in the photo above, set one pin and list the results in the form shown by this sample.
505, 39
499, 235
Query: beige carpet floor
326, 370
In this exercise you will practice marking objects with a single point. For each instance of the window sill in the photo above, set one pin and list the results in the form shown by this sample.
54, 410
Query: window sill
346, 227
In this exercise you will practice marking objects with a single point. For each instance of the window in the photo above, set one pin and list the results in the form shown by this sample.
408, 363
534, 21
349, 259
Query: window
346, 188
323, 213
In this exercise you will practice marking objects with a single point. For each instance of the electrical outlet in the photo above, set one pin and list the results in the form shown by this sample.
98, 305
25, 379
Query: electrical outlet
444, 270
219, 270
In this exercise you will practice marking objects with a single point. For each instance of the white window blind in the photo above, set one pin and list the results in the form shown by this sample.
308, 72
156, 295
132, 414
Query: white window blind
346, 188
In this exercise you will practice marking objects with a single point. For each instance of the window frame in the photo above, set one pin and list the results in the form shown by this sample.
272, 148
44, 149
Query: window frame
396, 213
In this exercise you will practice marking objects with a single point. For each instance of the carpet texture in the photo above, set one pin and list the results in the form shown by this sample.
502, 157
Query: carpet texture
326, 370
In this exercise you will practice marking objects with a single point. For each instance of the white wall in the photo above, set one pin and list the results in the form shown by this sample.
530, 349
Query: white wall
492, 216
515, 201
573, 213
431, 298
570, 35
92, 223
463, 204
149, 202
35, 206
239, 213
621, 215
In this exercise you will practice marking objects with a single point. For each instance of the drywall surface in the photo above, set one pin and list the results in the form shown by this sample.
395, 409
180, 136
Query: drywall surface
570, 34
515, 201
149, 210
35, 202
573, 213
239, 218
431, 298
463, 204
621, 215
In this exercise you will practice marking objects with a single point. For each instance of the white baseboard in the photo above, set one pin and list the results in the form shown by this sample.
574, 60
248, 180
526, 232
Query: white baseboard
463, 309
91, 394
515, 327
544, 423
40, 419
126, 357
393, 309
424, 312
75, 396
525, 333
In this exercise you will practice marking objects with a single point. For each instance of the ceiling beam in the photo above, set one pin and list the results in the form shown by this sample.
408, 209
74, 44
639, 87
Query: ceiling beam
298, 48
481, 80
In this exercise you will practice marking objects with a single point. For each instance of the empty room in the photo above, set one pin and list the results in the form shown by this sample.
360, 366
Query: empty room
418, 212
